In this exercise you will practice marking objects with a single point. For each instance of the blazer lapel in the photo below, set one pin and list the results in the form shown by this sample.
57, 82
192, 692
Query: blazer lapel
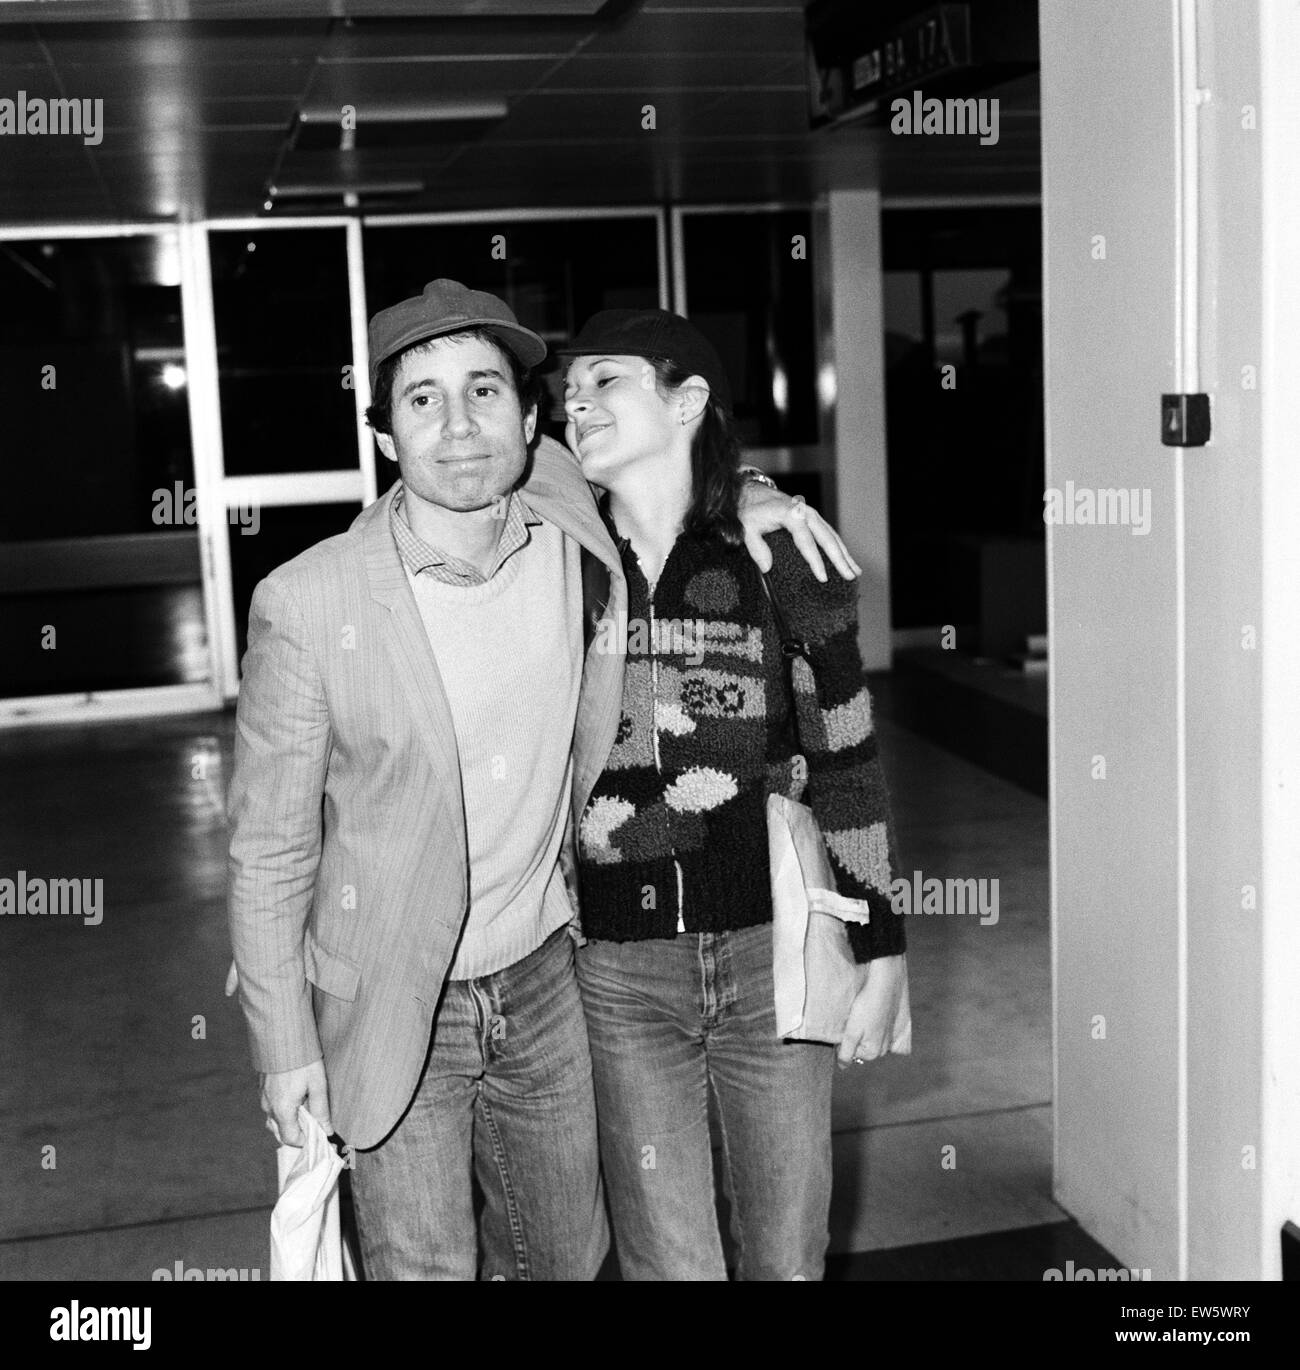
414, 667
556, 490
595, 595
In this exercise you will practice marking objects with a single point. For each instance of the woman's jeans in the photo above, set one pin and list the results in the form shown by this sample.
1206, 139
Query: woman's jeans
666, 1020
505, 1100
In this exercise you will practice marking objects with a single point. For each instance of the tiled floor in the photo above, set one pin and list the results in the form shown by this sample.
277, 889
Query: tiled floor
130, 1136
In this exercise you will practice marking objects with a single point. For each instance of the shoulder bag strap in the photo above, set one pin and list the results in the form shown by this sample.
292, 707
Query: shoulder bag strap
791, 647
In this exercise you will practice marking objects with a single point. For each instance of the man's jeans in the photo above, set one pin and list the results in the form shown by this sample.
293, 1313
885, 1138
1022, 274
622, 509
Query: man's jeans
506, 1096
667, 1019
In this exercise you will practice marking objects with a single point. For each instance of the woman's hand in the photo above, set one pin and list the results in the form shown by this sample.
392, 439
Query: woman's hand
763, 510
874, 1013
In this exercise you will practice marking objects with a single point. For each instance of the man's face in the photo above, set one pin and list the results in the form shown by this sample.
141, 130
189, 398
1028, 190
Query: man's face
458, 433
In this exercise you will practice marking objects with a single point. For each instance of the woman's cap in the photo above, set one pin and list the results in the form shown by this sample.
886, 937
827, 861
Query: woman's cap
652, 333
444, 307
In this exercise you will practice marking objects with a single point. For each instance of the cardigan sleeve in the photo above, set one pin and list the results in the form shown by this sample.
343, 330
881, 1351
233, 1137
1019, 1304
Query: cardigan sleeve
846, 782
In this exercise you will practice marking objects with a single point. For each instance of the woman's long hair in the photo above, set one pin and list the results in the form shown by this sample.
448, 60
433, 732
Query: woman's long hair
715, 465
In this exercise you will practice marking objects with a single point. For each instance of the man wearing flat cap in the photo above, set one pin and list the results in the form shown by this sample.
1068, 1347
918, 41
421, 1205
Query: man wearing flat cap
419, 720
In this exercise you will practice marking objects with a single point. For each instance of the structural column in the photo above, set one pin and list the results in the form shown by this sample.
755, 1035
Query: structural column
851, 384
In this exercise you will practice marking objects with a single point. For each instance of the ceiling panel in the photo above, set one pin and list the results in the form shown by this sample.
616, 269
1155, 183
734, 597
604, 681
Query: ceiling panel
700, 151
181, 146
502, 165
35, 80
250, 11
455, 40
199, 113
225, 112
167, 44
646, 71
615, 116
742, 9
755, 114
380, 83
704, 29
117, 82
349, 168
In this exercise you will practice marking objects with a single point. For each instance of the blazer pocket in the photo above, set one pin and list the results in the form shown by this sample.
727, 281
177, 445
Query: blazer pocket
329, 971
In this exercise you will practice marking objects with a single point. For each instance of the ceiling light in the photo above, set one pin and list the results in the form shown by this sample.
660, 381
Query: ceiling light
407, 112
326, 191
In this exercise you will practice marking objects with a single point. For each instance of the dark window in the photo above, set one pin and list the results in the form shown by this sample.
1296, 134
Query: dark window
100, 583
963, 303
750, 290
282, 532
553, 274
92, 385
284, 339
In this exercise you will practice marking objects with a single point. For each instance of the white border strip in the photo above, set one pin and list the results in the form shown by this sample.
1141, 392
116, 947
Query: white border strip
257, 224
679, 260
1007, 200
206, 442
97, 706
746, 207
21, 232
361, 359
1279, 131
506, 216
662, 230
1186, 326
300, 487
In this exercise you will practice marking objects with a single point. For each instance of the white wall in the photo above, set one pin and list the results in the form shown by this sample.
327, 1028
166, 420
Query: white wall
1280, 616
1223, 678
1150, 666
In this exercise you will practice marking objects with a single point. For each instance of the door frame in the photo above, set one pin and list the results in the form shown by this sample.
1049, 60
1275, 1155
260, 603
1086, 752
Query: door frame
142, 702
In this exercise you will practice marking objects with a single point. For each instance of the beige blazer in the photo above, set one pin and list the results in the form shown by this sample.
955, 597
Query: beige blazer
348, 878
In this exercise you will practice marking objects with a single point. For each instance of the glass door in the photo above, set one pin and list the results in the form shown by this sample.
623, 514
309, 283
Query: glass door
102, 603
295, 460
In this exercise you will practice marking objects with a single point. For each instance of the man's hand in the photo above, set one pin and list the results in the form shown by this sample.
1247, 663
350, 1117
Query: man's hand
284, 1090
763, 510
870, 1028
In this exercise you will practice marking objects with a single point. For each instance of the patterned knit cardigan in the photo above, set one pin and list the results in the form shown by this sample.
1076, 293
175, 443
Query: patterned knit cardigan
705, 736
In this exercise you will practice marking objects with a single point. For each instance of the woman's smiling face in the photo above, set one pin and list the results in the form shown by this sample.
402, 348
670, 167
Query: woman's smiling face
616, 414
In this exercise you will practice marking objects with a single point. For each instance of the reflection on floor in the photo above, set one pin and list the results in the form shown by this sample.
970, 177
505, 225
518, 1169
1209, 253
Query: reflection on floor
985, 710
130, 1135
1028, 1253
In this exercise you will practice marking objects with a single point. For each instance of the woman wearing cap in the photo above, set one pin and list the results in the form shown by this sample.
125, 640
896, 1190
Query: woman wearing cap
676, 972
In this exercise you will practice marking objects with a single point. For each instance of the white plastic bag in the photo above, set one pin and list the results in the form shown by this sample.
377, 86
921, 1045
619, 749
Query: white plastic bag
306, 1242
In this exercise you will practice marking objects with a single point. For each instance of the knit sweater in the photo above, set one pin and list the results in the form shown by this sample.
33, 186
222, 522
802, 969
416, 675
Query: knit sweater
705, 737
